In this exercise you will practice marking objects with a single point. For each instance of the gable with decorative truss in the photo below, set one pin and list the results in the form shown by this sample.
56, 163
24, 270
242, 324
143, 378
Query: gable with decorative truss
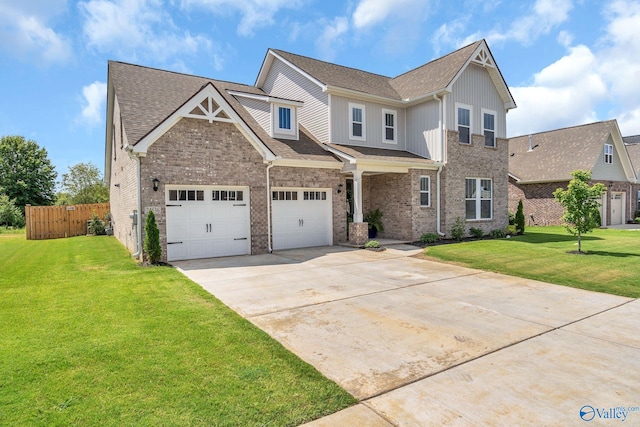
208, 104
483, 58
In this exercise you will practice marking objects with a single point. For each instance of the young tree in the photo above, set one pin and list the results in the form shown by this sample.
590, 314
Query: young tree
83, 183
26, 174
520, 218
152, 239
10, 215
581, 203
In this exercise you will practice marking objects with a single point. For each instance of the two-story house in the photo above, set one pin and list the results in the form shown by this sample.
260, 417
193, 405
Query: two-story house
233, 169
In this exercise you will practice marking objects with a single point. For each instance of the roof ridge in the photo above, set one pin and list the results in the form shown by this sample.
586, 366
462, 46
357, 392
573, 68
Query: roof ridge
437, 59
564, 128
330, 63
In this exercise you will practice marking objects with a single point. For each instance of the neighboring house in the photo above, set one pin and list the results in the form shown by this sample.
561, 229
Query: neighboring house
632, 144
234, 169
541, 163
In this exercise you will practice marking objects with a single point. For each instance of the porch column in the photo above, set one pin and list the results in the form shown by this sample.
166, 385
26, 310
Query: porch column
357, 196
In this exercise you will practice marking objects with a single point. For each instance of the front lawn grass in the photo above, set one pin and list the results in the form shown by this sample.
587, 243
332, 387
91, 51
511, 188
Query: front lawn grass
611, 265
87, 337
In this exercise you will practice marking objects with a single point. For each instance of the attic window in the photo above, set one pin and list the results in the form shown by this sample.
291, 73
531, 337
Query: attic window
608, 153
284, 122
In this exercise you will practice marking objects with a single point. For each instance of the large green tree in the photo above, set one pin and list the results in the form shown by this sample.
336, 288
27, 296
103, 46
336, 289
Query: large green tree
581, 202
26, 173
83, 184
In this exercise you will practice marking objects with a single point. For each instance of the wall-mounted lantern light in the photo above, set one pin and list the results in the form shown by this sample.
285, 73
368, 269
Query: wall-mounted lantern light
156, 181
339, 188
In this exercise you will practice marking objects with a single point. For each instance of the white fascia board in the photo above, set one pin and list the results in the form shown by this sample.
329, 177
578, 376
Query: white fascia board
354, 94
300, 163
266, 98
209, 90
623, 154
515, 178
267, 64
383, 166
339, 153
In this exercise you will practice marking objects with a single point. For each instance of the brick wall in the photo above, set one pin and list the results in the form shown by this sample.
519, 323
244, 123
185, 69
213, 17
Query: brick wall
123, 193
474, 161
391, 193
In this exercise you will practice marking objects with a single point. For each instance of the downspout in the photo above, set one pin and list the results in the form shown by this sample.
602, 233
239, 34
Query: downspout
269, 166
442, 147
138, 252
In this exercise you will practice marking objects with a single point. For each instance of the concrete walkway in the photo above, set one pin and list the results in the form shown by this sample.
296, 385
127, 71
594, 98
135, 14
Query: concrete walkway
424, 343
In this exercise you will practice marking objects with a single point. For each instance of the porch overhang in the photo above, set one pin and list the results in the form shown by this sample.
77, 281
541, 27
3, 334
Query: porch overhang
374, 161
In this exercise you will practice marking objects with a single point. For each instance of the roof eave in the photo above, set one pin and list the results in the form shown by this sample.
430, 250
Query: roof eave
354, 94
266, 65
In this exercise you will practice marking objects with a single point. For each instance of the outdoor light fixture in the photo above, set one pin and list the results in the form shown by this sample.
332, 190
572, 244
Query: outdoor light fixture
156, 181
339, 188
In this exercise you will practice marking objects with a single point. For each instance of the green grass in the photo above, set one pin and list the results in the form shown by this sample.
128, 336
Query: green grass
611, 265
11, 230
87, 337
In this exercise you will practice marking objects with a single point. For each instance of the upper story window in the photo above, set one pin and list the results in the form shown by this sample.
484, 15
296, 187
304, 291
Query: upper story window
608, 153
463, 120
389, 126
284, 118
425, 191
478, 198
489, 128
284, 121
356, 121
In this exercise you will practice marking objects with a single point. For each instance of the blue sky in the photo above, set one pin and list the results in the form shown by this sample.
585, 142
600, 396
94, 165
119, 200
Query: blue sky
567, 62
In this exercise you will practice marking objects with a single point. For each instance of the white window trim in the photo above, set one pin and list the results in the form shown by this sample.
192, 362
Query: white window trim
607, 154
364, 121
384, 126
276, 130
479, 199
470, 108
495, 125
428, 191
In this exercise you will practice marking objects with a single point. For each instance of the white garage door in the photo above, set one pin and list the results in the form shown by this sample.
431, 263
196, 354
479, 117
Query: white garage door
206, 222
302, 217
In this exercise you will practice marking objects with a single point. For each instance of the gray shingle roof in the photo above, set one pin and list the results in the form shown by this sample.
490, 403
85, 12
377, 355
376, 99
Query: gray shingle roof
148, 96
368, 153
559, 152
632, 144
426, 79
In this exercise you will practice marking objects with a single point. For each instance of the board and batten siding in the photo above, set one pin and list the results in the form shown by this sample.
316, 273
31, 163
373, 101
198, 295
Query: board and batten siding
260, 110
423, 134
284, 82
374, 129
608, 171
475, 87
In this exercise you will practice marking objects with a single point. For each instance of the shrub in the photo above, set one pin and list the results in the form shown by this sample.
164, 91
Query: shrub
520, 218
152, 239
637, 220
429, 238
497, 233
10, 214
476, 232
458, 229
597, 219
512, 218
511, 229
96, 225
372, 244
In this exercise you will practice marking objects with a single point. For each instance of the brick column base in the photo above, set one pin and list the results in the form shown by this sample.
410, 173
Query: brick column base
358, 233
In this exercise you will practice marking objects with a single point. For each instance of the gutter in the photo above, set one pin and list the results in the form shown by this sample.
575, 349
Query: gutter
136, 156
440, 166
438, 198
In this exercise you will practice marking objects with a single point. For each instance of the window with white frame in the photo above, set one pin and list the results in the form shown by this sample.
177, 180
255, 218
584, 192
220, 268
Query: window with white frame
356, 121
389, 126
608, 153
489, 128
284, 122
284, 118
425, 191
478, 198
463, 120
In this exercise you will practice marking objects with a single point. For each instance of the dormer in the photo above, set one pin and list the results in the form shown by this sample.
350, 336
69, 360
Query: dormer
277, 116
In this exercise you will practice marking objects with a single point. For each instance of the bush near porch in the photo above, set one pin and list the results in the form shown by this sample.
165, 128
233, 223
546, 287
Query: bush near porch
611, 263
87, 337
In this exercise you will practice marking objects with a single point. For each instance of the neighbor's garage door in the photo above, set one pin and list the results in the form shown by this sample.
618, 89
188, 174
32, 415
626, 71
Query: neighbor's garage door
206, 222
301, 217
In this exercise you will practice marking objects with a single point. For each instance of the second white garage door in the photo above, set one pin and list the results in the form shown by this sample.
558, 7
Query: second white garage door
302, 217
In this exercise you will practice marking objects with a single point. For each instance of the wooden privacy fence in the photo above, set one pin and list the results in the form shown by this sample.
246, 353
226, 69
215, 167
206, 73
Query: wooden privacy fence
54, 222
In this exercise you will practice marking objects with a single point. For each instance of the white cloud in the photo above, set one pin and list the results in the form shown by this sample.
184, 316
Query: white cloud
565, 93
94, 96
139, 28
26, 31
329, 41
255, 13
371, 12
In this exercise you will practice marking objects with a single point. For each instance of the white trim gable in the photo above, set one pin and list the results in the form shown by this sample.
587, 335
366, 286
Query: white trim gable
266, 66
483, 57
623, 154
208, 104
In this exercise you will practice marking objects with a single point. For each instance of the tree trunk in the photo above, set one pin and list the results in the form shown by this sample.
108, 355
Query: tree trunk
579, 243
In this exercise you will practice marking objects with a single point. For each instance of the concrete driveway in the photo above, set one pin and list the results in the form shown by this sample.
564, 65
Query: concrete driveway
424, 343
